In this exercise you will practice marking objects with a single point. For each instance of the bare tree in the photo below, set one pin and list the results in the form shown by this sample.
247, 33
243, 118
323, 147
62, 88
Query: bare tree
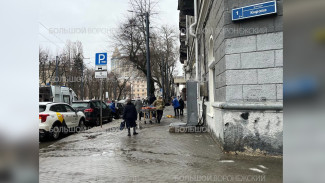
130, 35
43, 64
130, 39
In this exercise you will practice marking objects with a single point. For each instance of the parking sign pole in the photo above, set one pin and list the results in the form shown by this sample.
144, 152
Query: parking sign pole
101, 73
101, 103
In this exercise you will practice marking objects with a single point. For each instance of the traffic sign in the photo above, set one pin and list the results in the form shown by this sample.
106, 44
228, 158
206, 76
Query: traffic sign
254, 10
101, 68
101, 74
101, 59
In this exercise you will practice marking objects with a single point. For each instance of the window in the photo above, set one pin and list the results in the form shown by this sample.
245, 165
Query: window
58, 108
66, 99
211, 74
104, 105
62, 108
96, 104
54, 108
42, 108
69, 109
80, 105
211, 51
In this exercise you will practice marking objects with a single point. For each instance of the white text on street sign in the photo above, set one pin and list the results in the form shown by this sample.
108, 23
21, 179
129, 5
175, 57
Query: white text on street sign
254, 10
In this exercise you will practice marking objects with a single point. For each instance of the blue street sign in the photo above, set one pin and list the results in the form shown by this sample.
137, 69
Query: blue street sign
254, 10
101, 59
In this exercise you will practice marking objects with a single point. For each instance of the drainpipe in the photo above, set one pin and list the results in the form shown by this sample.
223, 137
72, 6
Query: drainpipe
196, 41
196, 53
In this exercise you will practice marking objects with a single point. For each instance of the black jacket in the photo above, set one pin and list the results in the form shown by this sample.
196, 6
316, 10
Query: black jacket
130, 115
181, 103
152, 99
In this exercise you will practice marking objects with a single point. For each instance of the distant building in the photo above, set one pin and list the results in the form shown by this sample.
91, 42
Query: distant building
126, 70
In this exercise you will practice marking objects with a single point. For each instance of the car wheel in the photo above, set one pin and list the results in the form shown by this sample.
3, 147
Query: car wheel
55, 132
81, 126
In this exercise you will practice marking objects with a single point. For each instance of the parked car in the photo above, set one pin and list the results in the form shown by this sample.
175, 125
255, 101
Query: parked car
57, 118
91, 109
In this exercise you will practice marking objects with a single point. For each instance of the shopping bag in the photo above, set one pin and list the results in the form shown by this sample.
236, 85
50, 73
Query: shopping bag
122, 125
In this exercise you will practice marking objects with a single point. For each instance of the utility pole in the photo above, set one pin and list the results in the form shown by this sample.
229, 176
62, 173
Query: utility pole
57, 70
148, 56
82, 81
167, 82
163, 79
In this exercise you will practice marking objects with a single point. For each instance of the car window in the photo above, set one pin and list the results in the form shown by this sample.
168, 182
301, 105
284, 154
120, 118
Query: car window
69, 109
42, 108
96, 104
104, 105
55, 108
62, 108
80, 105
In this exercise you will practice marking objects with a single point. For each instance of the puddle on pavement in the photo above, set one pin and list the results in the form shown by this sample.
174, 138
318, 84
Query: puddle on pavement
92, 136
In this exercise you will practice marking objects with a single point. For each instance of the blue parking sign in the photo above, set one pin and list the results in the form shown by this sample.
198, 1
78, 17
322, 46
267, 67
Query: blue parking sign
101, 59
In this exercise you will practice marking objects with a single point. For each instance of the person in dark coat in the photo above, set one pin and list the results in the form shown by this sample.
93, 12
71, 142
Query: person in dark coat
181, 107
130, 116
152, 99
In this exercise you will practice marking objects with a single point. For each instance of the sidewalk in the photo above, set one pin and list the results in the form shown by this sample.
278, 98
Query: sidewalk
154, 155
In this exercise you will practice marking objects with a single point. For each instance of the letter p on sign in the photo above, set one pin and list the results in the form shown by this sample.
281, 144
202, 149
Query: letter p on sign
101, 59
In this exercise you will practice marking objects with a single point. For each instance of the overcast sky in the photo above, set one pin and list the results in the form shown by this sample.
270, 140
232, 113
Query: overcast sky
88, 21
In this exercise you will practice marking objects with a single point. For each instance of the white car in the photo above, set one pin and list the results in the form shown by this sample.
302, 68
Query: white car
57, 118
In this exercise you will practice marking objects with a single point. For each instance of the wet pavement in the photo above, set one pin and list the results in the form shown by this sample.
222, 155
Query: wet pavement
154, 155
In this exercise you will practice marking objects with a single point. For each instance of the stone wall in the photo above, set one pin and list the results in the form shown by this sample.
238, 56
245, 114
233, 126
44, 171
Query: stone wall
253, 132
247, 67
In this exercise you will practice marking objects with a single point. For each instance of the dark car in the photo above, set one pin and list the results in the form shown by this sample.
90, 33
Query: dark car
91, 110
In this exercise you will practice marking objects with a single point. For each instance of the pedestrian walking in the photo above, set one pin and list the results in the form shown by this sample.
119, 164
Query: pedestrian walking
138, 106
176, 106
130, 116
181, 107
160, 106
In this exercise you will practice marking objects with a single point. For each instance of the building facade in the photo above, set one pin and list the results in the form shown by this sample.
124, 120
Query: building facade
125, 70
239, 68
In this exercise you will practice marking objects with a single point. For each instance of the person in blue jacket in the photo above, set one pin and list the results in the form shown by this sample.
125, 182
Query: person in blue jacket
176, 106
113, 109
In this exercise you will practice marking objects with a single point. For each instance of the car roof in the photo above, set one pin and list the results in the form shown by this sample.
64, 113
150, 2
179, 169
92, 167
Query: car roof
52, 103
80, 101
45, 103
83, 101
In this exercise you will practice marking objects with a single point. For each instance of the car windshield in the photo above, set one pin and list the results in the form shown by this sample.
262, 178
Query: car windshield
42, 108
79, 105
